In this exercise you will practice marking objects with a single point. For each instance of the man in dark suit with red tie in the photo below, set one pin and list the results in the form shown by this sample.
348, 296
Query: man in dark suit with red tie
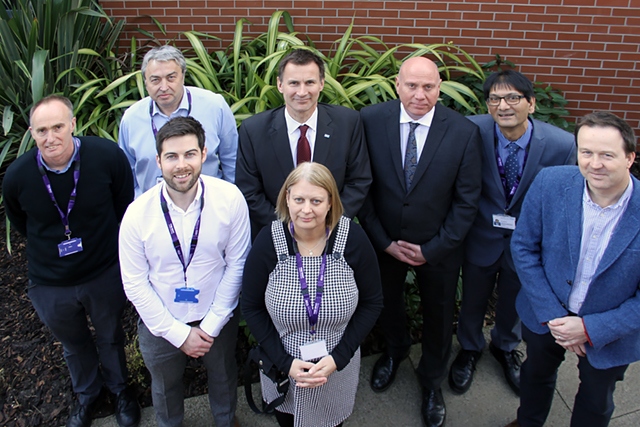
271, 144
426, 165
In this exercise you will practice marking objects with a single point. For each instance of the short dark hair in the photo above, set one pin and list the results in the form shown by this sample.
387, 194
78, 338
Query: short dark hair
511, 78
301, 57
606, 119
48, 99
180, 126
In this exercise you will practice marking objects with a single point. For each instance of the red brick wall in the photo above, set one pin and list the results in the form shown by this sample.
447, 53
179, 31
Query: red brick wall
587, 48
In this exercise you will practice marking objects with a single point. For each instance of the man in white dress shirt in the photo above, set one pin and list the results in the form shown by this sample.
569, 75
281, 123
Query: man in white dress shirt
183, 246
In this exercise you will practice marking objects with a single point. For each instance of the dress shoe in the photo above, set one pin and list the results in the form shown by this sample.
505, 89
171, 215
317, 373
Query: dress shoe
513, 423
236, 423
80, 415
510, 362
384, 372
127, 410
434, 412
462, 368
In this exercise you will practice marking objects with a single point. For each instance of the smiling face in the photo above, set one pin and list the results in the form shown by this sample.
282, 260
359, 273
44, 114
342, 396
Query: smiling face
308, 206
603, 161
164, 81
181, 164
512, 119
418, 86
52, 126
301, 86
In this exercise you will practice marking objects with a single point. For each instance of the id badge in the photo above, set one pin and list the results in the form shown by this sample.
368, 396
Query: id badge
314, 350
187, 295
504, 221
69, 247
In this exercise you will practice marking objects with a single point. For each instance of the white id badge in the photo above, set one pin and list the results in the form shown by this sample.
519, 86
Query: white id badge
313, 350
504, 221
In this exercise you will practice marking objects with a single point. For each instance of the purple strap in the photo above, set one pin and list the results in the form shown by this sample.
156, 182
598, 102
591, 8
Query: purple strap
174, 235
153, 125
312, 309
72, 199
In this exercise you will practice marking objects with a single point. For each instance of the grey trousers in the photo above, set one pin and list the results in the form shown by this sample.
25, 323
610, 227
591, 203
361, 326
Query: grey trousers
167, 363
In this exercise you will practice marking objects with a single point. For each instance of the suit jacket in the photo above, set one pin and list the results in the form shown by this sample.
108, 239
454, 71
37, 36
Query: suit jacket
546, 250
441, 205
549, 146
264, 159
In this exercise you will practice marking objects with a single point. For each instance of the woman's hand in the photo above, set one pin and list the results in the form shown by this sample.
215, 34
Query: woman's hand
325, 367
300, 372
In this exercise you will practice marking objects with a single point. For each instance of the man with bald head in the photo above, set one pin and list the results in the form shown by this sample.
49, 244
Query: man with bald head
426, 166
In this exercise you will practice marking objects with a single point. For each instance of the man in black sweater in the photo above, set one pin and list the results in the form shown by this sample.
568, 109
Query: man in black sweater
67, 196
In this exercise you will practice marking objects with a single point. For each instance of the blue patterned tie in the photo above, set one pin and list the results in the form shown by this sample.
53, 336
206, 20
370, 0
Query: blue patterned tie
511, 166
411, 156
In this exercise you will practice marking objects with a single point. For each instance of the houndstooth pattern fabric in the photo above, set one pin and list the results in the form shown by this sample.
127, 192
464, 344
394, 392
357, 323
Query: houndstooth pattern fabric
331, 403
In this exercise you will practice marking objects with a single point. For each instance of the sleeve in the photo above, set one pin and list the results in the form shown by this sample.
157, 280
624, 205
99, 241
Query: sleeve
123, 143
260, 263
11, 198
372, 225
121, 183
228, 149
236, 250
358, 172
571, 158
362, 259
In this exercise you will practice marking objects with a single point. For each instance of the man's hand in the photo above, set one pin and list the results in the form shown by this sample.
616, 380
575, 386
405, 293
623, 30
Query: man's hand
569, 333
325, 367
198, 343
406, 252
300, 372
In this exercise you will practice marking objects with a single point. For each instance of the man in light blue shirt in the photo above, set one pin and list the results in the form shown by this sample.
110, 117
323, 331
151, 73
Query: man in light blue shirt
163, 69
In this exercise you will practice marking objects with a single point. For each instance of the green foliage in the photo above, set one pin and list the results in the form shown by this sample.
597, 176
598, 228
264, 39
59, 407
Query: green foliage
135, 362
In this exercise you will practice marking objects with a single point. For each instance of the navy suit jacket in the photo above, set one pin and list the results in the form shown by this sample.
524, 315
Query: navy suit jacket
546, 250
549, 146
441, 205
264, 159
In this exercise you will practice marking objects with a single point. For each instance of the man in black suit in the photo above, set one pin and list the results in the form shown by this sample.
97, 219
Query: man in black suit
272, 143
426, 166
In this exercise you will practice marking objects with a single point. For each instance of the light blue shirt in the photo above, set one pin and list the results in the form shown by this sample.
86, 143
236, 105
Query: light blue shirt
521, 142
137, 140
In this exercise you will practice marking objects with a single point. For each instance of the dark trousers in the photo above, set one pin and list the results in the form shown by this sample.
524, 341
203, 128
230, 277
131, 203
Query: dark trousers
64, 310
167, 363
437, 287
593, 403
478, 284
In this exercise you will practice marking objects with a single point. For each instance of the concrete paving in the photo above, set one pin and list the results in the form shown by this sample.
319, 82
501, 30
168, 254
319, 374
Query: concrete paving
489, 402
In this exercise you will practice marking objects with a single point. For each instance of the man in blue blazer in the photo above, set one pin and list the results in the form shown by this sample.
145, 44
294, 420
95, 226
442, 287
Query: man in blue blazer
510, 99
271, 143
576, 250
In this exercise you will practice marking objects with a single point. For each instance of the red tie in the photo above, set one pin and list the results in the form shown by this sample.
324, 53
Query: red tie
304, 150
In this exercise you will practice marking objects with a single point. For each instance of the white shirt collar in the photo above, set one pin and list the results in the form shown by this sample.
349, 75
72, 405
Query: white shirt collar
424, 120
194, 205
293, 125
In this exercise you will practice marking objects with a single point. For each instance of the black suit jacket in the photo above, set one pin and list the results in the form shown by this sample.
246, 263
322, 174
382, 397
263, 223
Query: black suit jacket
264, 159
442, 203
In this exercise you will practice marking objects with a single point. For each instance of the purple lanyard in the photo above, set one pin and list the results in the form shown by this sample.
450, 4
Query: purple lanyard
509, 192
153, 125
72, 198
174, 236
312, 309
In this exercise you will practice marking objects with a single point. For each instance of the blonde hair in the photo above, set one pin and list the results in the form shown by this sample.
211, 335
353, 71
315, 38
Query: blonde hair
315, 174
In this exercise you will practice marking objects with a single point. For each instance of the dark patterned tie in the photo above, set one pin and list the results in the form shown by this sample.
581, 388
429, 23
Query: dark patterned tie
411, 156
304, 149
511, 166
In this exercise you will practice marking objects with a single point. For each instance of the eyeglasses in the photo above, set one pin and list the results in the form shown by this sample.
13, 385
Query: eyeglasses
511, 99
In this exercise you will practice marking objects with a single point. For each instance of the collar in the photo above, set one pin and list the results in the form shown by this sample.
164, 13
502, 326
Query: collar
195, 204
76, 145
293, 125
184, 104
521, 142
622, 201
424, 120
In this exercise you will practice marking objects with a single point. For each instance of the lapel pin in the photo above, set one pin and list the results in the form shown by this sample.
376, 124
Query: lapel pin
326, 135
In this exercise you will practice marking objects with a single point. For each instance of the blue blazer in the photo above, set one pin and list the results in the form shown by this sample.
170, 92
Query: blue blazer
546, 249
549, 146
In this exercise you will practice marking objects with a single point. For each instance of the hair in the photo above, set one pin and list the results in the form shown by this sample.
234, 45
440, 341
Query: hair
164, 54
510, 78
180, 126
48, 99
301, 57
315, 174
605, 119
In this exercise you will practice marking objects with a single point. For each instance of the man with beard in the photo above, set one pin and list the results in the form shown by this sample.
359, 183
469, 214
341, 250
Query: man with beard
182, 248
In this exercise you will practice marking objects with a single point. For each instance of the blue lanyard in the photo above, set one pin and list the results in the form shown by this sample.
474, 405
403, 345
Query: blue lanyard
153, 125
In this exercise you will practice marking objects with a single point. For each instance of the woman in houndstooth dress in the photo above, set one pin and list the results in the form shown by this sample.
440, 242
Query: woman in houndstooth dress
311, 229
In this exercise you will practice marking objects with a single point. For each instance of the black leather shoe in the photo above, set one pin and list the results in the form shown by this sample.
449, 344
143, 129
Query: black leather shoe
511, 362
434, 412
80, 415
384, 372
127, 410
462, 368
